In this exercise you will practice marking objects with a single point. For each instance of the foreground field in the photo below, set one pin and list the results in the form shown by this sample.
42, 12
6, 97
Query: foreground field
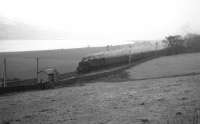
104, 102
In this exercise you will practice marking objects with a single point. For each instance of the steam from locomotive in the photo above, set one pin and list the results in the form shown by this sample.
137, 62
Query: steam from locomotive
111, 58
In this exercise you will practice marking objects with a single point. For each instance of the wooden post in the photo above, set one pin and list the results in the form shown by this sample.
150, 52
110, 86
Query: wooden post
156, 45
37, 69
130, 54
156, 48
107, 48
4, 73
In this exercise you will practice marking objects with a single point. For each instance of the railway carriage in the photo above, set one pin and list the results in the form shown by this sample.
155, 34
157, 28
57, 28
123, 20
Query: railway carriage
113, 58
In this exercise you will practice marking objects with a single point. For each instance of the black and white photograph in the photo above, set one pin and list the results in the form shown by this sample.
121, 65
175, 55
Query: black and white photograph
99, 61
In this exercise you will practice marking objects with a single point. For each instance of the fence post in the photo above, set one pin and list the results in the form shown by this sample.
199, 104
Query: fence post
107, 48
156, 45
156, 48
4, 72
37, 69
130, 54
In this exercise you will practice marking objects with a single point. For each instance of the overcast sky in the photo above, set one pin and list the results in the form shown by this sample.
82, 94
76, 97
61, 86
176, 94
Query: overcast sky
96, 20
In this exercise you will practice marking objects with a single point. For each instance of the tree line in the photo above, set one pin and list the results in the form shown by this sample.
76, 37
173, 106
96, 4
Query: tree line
178, 44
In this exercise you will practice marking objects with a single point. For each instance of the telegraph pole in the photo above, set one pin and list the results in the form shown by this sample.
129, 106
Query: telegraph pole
107, 48
130, 54
156, 45
156, 48
37, 69
4, 72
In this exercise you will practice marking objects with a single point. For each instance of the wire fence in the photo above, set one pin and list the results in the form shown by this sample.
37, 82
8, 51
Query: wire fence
25, 68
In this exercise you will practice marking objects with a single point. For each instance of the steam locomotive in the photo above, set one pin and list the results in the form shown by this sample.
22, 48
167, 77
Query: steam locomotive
114, 58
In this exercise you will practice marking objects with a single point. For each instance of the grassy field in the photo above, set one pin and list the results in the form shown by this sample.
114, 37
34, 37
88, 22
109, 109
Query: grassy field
22, 65
111, 102
167, 66
105, 103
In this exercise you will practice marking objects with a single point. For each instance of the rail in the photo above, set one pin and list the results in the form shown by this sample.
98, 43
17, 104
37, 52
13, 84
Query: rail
71, 80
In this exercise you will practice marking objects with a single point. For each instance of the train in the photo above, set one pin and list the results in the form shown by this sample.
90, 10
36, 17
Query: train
113, 58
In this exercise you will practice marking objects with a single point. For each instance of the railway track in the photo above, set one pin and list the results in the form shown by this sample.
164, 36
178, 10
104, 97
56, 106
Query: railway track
69, 81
